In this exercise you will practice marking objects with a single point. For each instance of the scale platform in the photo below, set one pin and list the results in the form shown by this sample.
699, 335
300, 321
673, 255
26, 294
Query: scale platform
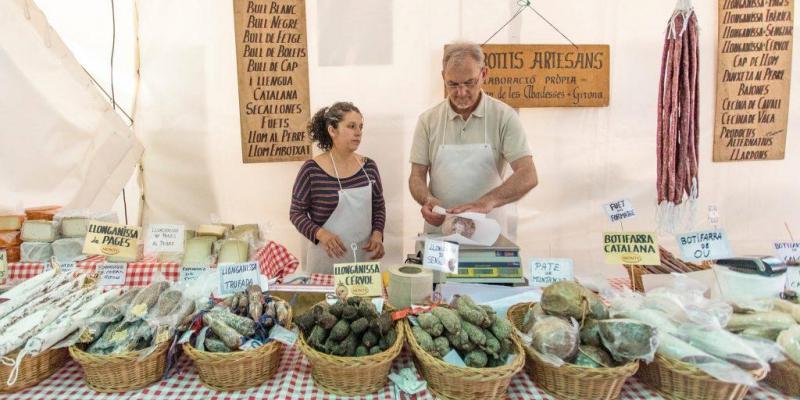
499, 263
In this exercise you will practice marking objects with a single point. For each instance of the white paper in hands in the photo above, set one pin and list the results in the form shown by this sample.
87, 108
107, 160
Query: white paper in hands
467, 228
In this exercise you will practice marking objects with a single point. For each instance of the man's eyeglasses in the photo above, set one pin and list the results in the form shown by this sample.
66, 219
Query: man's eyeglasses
467, 84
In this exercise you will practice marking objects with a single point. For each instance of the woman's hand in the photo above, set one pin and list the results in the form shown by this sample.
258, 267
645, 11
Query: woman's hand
375, 245
331, 243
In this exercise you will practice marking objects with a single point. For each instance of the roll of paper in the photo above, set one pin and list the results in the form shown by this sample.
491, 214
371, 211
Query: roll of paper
409, 284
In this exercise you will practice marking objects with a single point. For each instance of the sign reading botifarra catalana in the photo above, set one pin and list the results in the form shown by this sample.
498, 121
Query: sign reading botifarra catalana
631, 248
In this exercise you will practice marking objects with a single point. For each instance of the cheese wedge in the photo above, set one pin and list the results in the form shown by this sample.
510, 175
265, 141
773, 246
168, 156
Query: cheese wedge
11, 222
38, 231
233, 251
68, 249
72, 227
36, 251
44, 212
10, 238
218, 231
198, 250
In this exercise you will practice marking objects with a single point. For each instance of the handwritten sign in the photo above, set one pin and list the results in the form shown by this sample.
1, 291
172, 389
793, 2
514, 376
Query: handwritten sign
3, 263
108, 239
164, 238
360, 279
789, 252
546, 271
754, 68
439, 255
631, 248
619, 210
112, 274
793, 279
66, 267
234, 278
190, 273
525, 76
713, 215
272, 60
705, 245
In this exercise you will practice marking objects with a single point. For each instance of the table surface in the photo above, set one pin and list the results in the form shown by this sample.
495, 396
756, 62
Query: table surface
293, 381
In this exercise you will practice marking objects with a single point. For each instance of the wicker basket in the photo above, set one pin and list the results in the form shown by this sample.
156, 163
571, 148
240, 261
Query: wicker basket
669, 264
677, 380
351, 376
32, 369
785, 376
449, 382
121, 372
238, 369
571, 381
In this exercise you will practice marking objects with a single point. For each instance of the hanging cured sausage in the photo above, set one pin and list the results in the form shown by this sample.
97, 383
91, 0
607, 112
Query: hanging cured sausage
677, 130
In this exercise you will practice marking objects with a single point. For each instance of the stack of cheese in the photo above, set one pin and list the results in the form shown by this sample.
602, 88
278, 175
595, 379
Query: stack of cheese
72, 226
38, 236
226, 243
10, 240
46, 213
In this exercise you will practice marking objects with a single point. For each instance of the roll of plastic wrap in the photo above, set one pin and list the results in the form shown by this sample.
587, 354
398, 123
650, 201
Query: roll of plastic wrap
409, 284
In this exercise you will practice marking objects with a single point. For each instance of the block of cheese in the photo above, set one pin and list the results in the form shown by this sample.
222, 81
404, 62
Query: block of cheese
12, 253
11, 222
249, 232
218, 231
170, 257
36, 251
68, 249
188, 234
198, 250
72, 227
10, 238
37, 230
233, 251
44, 212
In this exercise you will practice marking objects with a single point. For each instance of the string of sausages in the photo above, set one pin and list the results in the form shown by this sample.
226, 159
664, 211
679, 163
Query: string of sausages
678, 132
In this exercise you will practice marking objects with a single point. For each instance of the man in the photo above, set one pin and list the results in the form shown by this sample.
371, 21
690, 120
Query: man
464, 142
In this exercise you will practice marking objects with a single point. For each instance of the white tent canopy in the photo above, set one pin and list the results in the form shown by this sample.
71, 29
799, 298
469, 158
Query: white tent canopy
385, 57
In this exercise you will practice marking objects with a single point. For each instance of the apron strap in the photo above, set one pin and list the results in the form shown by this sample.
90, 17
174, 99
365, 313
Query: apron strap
337, 171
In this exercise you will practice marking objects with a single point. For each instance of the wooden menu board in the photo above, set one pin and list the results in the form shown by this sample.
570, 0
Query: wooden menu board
272, 65
754, 64
527, 76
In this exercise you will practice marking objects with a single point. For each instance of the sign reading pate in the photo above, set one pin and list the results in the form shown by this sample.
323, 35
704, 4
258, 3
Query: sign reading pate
272, 61
631, 248
754, 68
789, 252
619, 210
108, 239
705, 245
548, 75
439, 255
546, 271
164, 238
113, 274
360, 279
235, 278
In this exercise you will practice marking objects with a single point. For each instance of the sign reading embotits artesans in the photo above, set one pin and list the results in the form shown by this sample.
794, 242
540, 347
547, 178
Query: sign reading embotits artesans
272, 61
547, 75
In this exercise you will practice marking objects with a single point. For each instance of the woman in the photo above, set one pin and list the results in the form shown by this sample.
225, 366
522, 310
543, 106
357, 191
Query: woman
337, 200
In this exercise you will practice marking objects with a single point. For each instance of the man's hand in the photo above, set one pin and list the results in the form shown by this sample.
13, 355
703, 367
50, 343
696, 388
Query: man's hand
427, 212
375, 245
331, 243
483, 206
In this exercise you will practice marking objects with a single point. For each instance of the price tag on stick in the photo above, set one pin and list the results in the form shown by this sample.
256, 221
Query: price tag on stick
704, 245
546, 271
234, 278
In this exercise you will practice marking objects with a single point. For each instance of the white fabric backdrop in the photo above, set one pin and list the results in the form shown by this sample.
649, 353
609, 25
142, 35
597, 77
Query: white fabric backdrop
187, 118
62, 141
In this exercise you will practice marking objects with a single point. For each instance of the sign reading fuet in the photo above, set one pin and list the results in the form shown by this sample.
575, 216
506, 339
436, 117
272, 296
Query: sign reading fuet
109, 239
361, 279
631, 248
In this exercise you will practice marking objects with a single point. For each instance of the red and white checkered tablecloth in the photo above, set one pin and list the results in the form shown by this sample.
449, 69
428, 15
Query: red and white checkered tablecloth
275, 260
27, 270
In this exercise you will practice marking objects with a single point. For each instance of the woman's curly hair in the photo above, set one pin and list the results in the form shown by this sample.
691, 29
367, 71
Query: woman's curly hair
325, 117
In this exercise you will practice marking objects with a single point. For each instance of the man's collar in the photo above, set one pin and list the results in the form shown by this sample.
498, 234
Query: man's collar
478, 111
